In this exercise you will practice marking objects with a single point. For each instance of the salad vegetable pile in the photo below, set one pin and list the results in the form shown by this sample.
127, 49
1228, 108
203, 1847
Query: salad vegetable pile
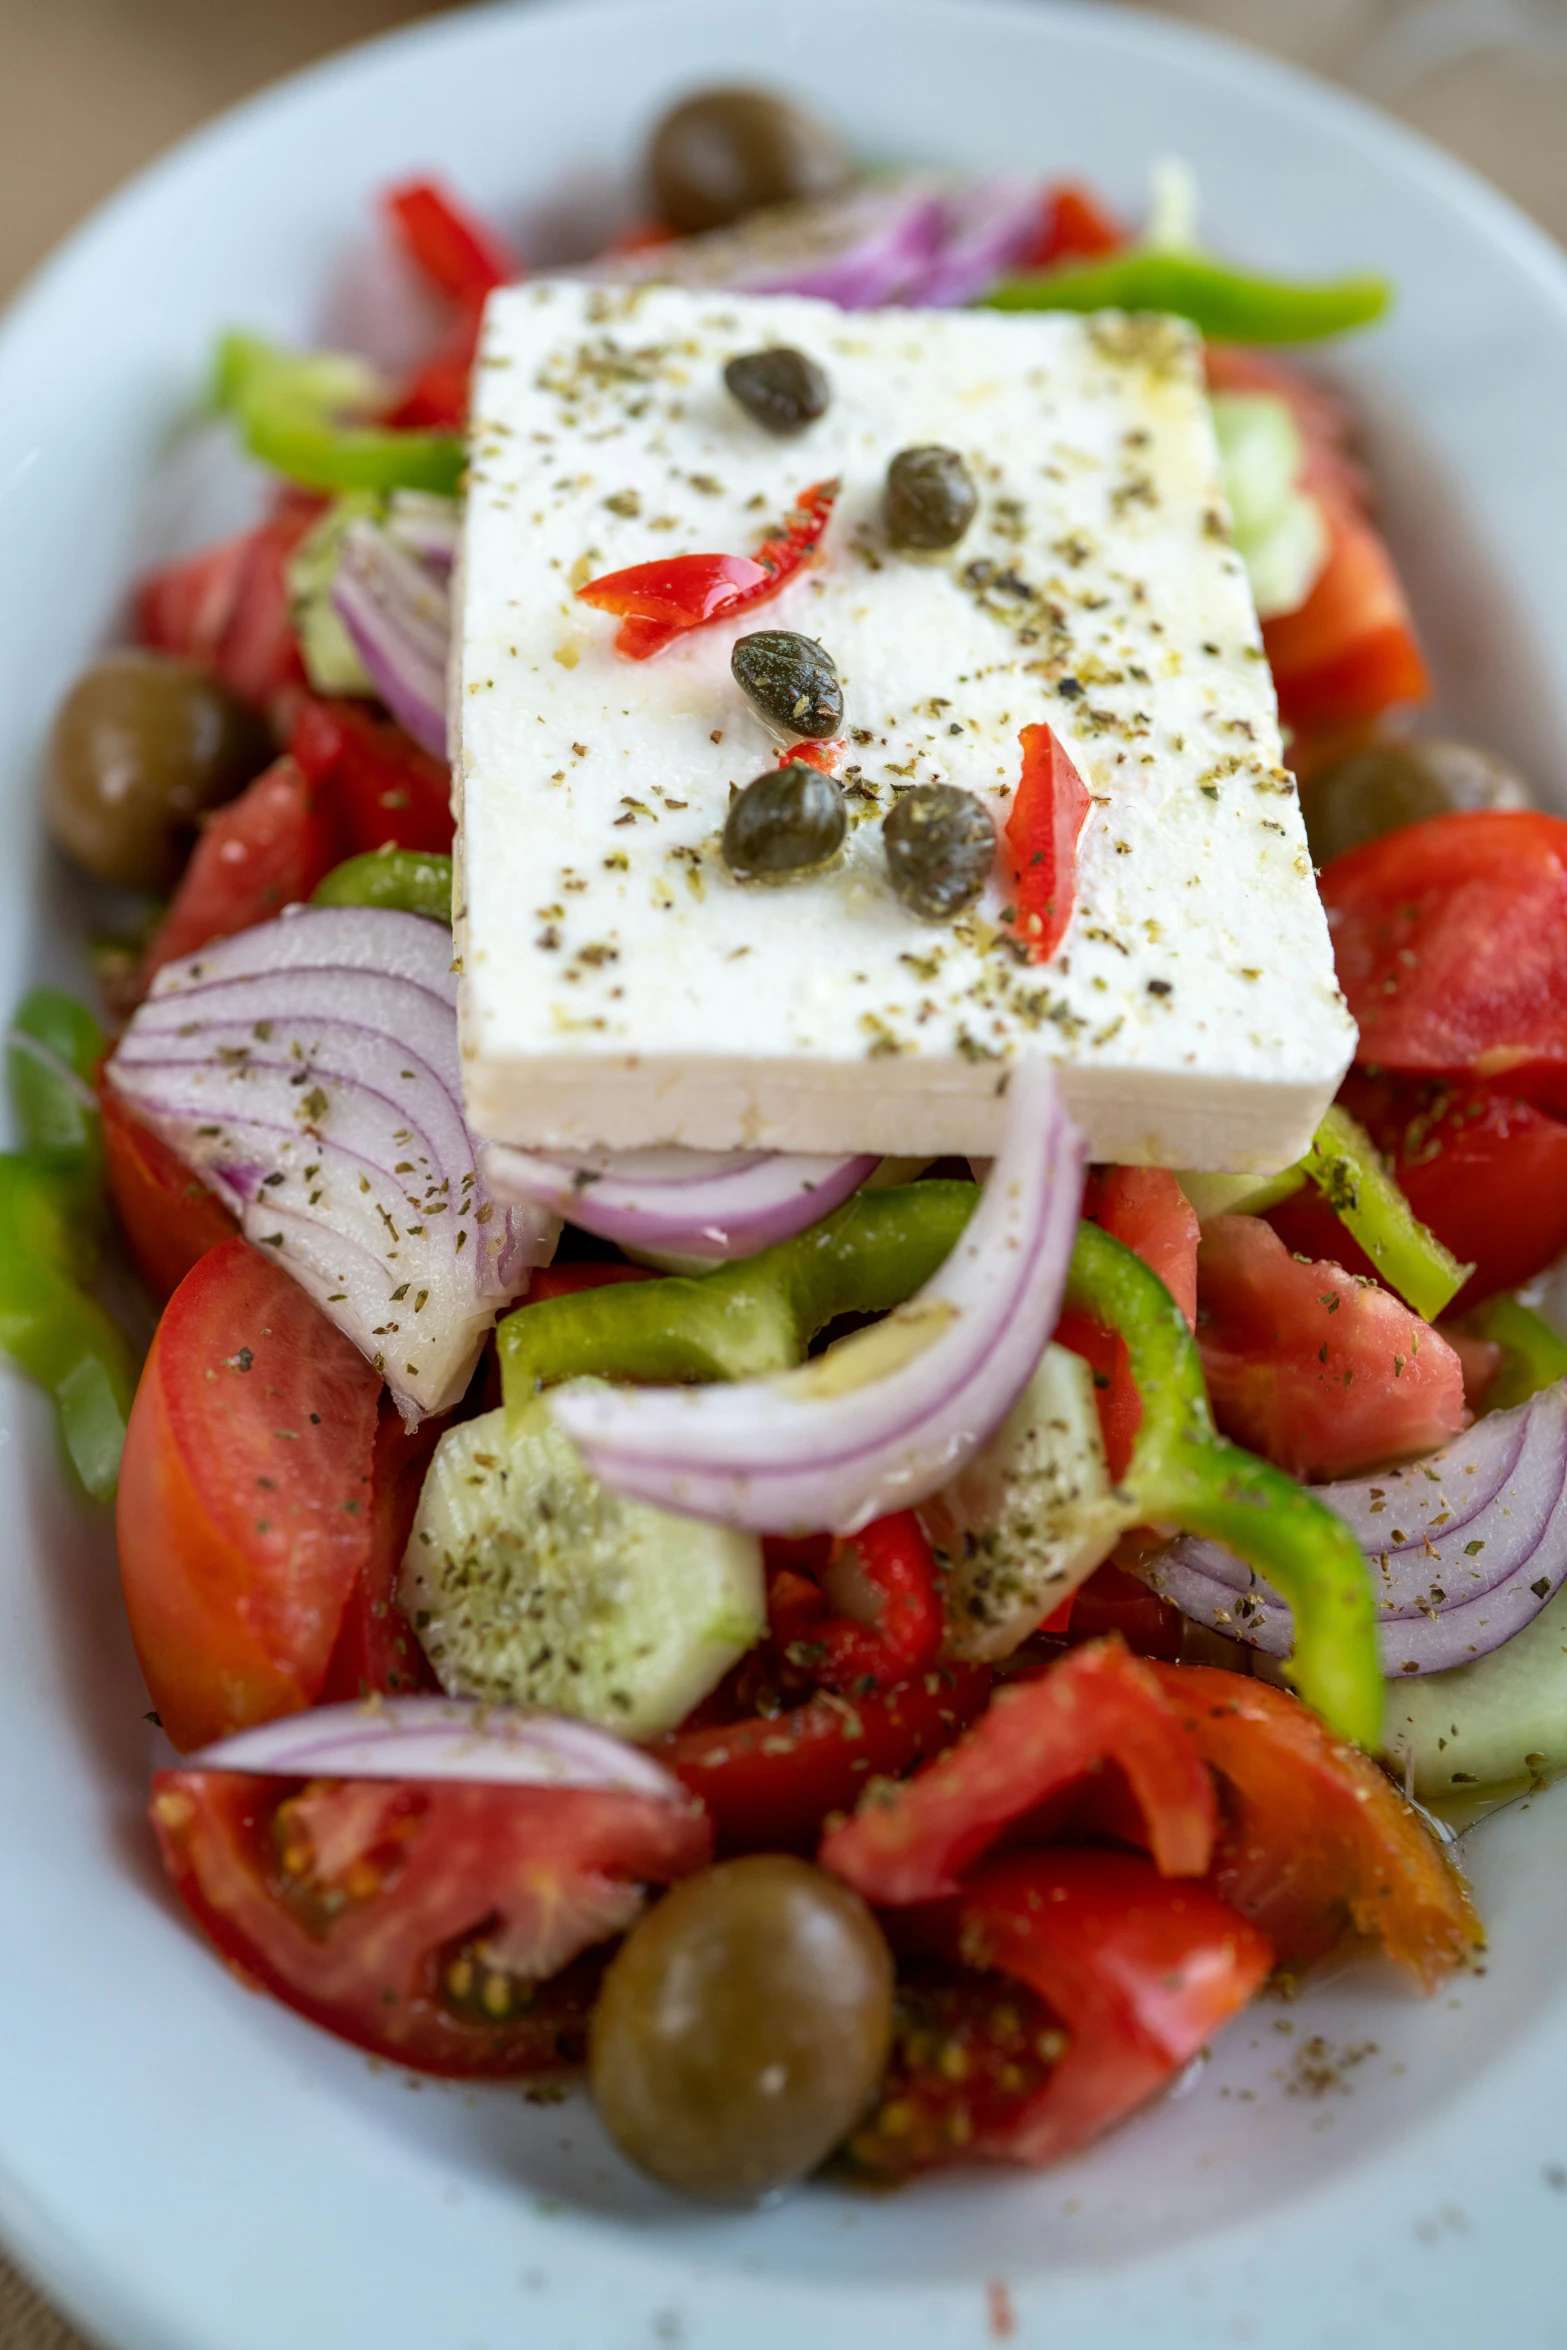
876, 1661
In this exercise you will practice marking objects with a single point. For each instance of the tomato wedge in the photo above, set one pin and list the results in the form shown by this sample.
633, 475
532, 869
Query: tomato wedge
1049, 810
1351, 650
244, 1502
770, 1782
1317, 1844
890, 1568
1099, 1704
1075, 227
376, 784
427, 1922
229, 607
169, 1217
1486, 1172
264, 851
1319, 1371
1451, 944
1136, 1973
377, 1648
1146, 1209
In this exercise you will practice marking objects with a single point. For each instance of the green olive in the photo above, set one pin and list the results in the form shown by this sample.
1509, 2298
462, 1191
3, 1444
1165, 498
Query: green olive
726, 153
780, 389
1384, 786
787, 825
742, 2028
930, 499
940, 845
143, 746
791, 680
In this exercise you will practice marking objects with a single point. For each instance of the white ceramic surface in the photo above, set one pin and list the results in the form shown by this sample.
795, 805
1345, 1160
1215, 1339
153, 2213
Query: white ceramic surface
188, 2168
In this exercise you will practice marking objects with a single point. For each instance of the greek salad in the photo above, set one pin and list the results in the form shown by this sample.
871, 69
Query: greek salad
848, 1150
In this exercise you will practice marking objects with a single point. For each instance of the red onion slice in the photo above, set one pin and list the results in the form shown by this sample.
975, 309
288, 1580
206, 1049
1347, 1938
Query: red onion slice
834, 1444
1466, 1547
861, 250
442, 1738
986, 230
710, 1204
308, 1071
426, 527
398, 613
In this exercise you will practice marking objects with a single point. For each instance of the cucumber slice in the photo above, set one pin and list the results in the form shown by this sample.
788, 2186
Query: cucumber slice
1500, 1723
530, 1583
1030, 1517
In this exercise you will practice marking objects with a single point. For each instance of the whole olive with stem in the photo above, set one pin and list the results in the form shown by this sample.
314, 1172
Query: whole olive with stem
743, 2027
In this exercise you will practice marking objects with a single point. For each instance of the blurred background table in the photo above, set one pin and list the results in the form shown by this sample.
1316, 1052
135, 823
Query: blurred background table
92, 88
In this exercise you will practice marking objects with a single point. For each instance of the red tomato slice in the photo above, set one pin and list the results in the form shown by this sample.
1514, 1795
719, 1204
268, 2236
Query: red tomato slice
1113, 1601
1350, 651
229, 607
460, 254
1139, 1972
377, 785
418, 1919
169, 1217
1099, 1704
244, 1502
1049, 810
1324, 420
568, 1280
436, 396
1451, 944
1146, 1209
377, 1648
264, 851
1317, 1844
770, 1782
887, 1572
1322, 1373
1487, 1173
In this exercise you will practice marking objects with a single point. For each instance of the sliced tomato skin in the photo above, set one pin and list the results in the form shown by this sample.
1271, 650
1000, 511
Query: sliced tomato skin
1145, 1209
1451, 944
1351, 649
1038, 1737
1317, 1844
229, 607
1325, 1375
376, 785
377, 1650
371, 1976
169, 1217
1141, 1970
1074, 226
264, 851
770, 1782
1486, 1172
243, 1514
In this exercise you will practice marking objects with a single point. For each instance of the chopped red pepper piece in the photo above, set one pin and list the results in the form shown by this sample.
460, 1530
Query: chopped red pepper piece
806, 754
458, 253
1100, 1703
1146, 1209
378, 786
1075, 227
891, 1562
435, 397
657, 602
1048, 813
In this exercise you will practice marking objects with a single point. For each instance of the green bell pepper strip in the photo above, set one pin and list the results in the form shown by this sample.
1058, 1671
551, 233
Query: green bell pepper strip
744, 1320
52, 1056
290, 408
1534, 1356
51, 1209
758, 1316
410, 881
1182, 1472
1226, 305
61, 1337
1344, 1164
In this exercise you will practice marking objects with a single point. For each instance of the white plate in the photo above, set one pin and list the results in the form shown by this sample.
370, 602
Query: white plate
188, 2168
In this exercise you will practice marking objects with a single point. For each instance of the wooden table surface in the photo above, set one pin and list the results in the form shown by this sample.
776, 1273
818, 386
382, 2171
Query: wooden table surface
89, 89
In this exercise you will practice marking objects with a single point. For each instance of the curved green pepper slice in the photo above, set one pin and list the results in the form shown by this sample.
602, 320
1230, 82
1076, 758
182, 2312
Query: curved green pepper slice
291, 409
1226, 305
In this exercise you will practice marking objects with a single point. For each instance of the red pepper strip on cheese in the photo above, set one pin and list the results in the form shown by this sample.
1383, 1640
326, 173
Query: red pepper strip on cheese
1047, 816
656, 602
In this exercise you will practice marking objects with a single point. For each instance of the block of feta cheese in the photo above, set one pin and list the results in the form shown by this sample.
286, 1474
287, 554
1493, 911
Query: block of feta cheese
621, 989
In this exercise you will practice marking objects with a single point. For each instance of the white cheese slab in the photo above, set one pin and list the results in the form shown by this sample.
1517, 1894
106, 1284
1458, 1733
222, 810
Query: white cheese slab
621, 989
